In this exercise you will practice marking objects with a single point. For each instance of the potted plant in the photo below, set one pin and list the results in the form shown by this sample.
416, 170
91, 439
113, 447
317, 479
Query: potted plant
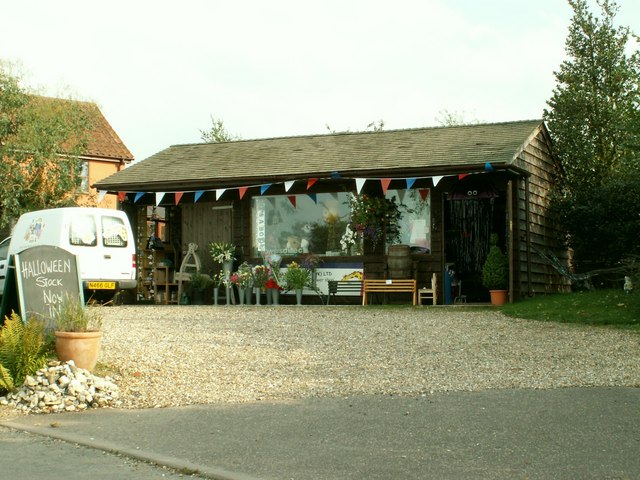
78, 333
495, 273
260, 278
223, 253
296, 278
199, 283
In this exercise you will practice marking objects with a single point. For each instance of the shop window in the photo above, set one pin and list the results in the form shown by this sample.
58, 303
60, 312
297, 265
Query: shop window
415, 223
298, 224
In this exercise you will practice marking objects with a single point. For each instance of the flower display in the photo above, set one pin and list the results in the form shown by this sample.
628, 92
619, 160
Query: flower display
222, 252
296, 277
243, 277
260, 276
374, 218
273, 268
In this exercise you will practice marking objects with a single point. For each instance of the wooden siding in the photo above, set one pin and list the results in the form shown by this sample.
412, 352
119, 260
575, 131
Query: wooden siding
203, 223
532, 225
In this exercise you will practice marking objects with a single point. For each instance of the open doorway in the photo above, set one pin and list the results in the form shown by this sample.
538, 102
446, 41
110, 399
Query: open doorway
474, 209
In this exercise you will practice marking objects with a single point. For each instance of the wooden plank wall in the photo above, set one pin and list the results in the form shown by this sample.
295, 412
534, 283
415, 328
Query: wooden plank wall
203, 223
534, 222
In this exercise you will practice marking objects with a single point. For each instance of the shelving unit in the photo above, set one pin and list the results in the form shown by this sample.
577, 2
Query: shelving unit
158, 279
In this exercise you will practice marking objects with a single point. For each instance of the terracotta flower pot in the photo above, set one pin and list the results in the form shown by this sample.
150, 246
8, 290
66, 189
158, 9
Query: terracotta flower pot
81, 347
498, 297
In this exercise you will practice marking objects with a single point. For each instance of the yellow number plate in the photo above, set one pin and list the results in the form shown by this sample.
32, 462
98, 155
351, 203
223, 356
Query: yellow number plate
102, 285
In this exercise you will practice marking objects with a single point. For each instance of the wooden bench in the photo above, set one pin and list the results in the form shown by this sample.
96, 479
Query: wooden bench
347, 286
388, 286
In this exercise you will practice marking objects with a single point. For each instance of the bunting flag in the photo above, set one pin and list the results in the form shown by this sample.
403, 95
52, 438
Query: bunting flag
462, 175
385, 184
313, 197
159, 196
292, 199
424, 193
122, 196
197, 196
264, 188
220, 192
310, 182
101, 194
410, 182
488, 167
179, 197
436, 180
139, 195
360, 183
242, 191
401, 194
287, 185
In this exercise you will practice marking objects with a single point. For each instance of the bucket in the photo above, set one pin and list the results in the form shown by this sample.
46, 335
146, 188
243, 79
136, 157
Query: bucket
399, 261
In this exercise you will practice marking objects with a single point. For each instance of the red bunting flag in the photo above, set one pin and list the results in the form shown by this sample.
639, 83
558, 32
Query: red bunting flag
242, 191
462, 175
424, 193
122, 196
310, 182
178, 196
292, 199
385, 184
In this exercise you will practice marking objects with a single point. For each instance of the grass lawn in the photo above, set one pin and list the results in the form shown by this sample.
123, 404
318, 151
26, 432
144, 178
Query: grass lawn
600, 307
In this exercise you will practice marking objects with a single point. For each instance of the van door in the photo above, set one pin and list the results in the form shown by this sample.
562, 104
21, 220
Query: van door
104, 247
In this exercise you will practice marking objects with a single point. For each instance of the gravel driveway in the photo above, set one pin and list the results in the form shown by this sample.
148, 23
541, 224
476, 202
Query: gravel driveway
174, 356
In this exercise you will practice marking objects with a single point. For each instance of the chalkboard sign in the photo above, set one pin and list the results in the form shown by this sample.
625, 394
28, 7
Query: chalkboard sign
45, 276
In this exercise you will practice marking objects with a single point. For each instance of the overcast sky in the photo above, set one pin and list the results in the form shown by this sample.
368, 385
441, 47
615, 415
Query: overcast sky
159, 69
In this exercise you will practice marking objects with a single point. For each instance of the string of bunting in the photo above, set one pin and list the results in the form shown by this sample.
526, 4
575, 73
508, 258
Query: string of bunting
360, 182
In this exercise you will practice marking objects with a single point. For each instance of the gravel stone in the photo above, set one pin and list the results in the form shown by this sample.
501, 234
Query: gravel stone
162, 356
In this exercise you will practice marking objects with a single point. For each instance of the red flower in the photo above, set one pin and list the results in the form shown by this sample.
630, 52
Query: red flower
272, 284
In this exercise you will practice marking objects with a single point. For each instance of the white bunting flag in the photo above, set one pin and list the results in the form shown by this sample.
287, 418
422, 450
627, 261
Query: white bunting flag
159, 196
101, 194
360, 183
288, 184
436, 179
219, 192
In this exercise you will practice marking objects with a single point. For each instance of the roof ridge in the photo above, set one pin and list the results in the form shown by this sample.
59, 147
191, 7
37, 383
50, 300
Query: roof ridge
362, 132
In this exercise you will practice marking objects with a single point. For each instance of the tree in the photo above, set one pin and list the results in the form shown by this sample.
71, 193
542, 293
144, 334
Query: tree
217, 133
594, 122
40, 143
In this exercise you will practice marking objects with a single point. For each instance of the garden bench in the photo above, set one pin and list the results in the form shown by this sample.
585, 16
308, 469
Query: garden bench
388, 286
346, 286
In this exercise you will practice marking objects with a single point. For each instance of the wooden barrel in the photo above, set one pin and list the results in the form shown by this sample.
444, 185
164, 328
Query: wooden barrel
399, 261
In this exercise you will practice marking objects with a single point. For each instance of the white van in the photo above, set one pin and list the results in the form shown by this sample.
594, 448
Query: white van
101, 238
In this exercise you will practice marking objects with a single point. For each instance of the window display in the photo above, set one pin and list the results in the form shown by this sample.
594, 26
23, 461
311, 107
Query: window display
291, 225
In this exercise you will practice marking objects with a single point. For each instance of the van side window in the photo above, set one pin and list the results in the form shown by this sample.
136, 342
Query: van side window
83, 231
114, 233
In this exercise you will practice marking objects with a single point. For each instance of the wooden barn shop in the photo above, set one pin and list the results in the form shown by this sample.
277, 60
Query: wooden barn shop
293, 196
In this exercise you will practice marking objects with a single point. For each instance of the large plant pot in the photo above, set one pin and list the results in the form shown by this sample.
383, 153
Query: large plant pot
81, 347
498, 297
399, 261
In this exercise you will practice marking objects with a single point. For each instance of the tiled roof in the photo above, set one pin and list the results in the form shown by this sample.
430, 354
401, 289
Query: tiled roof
436, 150
103, 141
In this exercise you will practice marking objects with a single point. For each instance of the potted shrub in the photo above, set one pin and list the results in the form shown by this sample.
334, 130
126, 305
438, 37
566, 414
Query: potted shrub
495, 273
199, 283
78, 333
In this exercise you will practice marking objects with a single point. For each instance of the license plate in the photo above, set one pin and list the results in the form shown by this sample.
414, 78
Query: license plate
102, 285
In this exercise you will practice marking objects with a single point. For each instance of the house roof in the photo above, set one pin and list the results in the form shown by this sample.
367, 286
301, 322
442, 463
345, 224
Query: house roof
383, 153
103, 142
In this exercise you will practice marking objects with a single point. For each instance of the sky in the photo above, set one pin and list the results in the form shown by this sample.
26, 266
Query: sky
159, 70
